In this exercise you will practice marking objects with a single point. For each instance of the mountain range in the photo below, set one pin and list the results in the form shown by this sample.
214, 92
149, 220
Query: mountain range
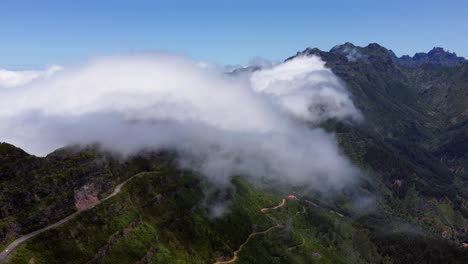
410, 207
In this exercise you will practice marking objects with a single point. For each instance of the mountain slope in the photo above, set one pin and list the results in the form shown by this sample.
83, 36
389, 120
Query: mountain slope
414, 136
412, 147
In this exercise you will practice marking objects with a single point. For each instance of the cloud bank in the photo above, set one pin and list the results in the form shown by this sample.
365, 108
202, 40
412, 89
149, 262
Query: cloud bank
219, 124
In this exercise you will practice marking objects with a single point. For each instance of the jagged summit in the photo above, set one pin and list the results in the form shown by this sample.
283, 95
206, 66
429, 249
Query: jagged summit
437, 56
374, 51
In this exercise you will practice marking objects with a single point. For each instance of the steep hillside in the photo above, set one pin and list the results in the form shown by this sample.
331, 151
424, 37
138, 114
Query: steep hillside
410, 205
35, 192
414, 136
163, 216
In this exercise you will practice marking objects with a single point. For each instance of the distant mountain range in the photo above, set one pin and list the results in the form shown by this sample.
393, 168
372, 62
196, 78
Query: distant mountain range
436, 57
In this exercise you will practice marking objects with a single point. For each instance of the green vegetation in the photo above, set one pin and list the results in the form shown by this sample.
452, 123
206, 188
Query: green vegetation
158, 215
409, 207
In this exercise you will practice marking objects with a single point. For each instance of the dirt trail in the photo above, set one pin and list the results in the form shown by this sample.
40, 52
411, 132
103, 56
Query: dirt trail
298, 245
263, 210
234, 258
6, 253
301, 212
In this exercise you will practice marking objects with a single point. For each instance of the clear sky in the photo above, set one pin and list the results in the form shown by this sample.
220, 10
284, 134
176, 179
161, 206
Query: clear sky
41, 32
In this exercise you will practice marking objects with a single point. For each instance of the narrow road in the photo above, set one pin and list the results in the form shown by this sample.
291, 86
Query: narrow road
6, 253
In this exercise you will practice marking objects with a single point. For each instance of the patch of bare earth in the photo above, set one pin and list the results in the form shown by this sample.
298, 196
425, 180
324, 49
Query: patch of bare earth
86, 197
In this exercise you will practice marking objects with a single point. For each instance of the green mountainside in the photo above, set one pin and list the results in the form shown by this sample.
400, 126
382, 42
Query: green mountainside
410, 206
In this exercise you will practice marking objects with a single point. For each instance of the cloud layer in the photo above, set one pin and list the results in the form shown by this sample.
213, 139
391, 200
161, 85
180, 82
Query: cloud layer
220, 124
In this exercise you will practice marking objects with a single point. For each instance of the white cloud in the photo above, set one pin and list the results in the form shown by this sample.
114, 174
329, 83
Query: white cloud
10, 79
307, 89
220, 124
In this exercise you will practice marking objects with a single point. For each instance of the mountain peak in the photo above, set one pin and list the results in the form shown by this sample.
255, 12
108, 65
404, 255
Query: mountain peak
349, 50
376, 46
436, 50
347, 45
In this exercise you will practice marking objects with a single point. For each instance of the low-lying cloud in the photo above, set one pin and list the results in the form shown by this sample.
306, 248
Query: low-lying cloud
220, 124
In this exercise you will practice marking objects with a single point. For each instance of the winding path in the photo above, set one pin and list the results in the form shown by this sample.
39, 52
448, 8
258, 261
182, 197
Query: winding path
234, 258
298, 245
263, 210
6, 253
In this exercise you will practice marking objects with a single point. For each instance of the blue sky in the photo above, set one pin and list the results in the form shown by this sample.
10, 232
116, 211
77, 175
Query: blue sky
37, 33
